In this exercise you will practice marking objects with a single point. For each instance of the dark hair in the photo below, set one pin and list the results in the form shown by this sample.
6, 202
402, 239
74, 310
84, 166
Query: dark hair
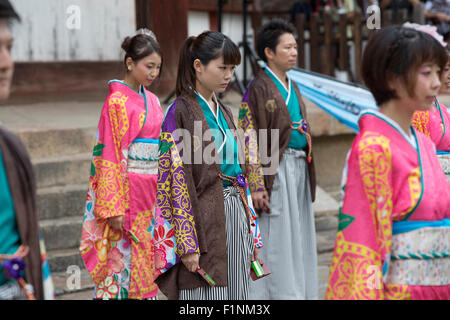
269, 35
207, 46
447, 36
7, 11
397, 52
139, 47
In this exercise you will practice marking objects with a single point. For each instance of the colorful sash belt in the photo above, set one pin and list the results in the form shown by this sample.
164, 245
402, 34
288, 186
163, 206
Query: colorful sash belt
303, 128
241, 183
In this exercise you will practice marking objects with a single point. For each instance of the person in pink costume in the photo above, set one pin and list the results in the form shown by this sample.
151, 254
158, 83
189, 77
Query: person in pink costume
117, 244
394, 226
435, 123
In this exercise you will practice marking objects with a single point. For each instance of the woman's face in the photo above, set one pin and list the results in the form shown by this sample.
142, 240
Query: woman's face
215, 76
426, 87
445, 79
147, 69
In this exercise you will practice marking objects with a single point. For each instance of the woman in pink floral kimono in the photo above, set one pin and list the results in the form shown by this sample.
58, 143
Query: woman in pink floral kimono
394, 224
116, 245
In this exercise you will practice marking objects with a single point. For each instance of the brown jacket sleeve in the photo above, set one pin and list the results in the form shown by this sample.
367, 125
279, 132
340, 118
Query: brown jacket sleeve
23, 190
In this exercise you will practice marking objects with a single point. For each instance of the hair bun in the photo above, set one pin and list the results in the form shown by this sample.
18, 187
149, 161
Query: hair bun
126, 43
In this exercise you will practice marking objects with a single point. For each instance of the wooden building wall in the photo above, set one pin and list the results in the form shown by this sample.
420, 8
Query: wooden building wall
54, 58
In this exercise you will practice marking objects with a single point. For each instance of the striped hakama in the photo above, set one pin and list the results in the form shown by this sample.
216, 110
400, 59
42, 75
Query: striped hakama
289, 235
12, 291
240, 246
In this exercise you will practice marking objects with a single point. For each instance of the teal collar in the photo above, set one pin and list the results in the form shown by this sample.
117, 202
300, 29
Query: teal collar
205, 106
280, 85
436, 103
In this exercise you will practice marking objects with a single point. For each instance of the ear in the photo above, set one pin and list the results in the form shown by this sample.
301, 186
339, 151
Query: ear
398, 85
270, 55
391, 83
198, 66
129, 62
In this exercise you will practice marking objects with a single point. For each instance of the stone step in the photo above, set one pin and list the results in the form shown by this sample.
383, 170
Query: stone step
325, 204
61, 201
53, 142
326, 210
61, 260
62, 170
325, 240
72, 281
62, 233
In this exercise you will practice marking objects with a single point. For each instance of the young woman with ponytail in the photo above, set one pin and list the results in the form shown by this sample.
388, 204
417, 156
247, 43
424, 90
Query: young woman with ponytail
202, 189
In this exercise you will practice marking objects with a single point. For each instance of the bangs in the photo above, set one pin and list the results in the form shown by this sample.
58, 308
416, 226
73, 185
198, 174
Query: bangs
230, 52
413, 54
397, 52
430, 51
427, 50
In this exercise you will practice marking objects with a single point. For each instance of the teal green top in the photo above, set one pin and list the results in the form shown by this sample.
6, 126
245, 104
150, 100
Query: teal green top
9, 234
297, 140
224, 139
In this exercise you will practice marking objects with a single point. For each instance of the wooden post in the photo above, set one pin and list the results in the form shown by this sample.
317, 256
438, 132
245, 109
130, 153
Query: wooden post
357, 45
256, 19
300, 25
343, 45
328, 40
314, 42
402, 16
170, 39
386, 18
144, 14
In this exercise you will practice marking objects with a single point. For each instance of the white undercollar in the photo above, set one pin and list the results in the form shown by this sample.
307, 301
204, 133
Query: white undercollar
408, 137
288, 89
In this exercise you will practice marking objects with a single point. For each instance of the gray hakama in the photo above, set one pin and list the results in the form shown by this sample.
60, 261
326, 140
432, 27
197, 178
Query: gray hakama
288, 236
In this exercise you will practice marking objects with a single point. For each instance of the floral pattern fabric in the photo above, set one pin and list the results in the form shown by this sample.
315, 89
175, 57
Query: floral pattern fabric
121, 263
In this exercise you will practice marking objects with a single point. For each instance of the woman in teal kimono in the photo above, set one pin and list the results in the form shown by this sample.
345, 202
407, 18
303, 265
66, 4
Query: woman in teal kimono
202, 188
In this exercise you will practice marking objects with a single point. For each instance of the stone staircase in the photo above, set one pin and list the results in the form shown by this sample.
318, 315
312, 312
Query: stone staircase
61, 160
59, 137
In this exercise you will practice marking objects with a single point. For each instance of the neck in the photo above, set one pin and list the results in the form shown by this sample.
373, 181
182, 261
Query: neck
132, 82
281, 74
205, 92
396, 110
